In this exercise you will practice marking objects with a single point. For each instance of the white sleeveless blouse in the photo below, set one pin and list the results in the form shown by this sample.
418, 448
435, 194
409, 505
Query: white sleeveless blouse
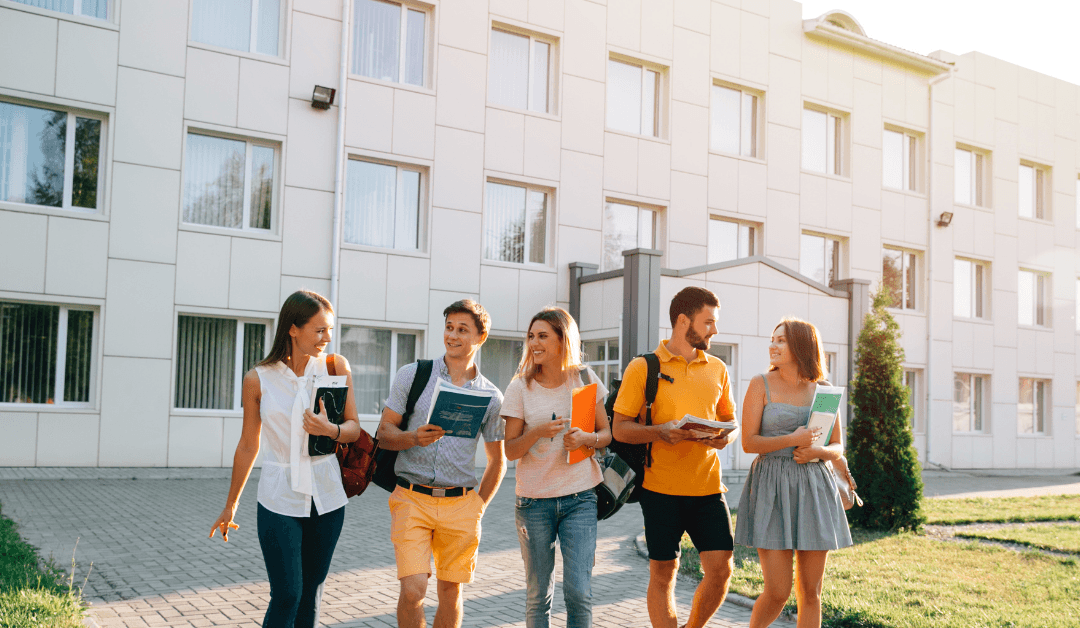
290, 478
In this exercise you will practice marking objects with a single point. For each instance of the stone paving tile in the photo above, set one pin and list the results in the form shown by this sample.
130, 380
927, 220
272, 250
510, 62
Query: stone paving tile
152, 565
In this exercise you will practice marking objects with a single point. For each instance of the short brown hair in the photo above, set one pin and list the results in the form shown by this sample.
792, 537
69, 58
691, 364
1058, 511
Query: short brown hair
805, 344
689, 301
468, 306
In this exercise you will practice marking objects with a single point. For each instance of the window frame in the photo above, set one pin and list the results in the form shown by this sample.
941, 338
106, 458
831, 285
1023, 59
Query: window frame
1041, 414
659, 108
980, 177
836, 143
549, 226
756, 122
1042, 299
753, 238
979, 301
422, 210
977, 410
910, 160
657, 227
502, 338
96, 331
913, 377
76, 5
910, 258
429, 44
66, 207
395, 332
552, 65
1042, 191
602, 367
253, 24
838, 254
238, 366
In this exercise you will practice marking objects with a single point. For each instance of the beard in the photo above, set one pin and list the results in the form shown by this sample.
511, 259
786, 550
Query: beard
697, 341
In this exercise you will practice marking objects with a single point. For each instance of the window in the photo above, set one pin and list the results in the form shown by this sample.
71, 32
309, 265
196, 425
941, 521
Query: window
229, 182
727, 354
212, 355
898, 275
520, 71
389, 42
970, 289
913, 379
819, 258
603, 357
626, 227
88, 8
729, 240
970, 177
46, 353
734, 121
245, 25
822, 142
499, 359
1033, 300
50, 157
382, 205
516, 224
633, 98
899, 160
1034, 192
375, 355
830, 366
970, 400
1034, 406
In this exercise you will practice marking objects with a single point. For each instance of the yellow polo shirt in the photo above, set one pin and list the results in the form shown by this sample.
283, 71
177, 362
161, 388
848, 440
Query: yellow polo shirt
701, 388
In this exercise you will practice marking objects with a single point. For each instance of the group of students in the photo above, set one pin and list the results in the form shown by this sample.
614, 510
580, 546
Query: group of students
789, 510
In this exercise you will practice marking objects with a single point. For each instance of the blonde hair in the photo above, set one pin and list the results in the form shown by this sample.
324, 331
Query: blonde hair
567, 330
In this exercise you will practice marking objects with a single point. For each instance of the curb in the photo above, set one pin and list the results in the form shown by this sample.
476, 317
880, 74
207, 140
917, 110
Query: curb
734, 598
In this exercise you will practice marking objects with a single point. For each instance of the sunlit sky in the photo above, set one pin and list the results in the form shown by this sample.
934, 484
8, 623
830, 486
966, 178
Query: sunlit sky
1043, 35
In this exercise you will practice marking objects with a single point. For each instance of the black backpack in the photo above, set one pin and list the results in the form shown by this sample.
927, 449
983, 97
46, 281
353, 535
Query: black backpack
384, 476
637, 456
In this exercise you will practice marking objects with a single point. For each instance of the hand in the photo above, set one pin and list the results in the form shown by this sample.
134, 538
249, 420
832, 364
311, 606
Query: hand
718, 440
673, 435
804, 455
317, 424
427, 434
224, 523
577, 438
550, 429
804, 437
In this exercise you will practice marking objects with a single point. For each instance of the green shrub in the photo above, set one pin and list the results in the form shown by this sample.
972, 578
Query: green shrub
33, 594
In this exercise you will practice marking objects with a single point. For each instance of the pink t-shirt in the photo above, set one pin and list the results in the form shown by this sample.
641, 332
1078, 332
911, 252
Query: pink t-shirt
543, 471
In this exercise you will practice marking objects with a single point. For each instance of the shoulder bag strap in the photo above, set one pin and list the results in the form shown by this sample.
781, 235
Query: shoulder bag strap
331, 365
652, 382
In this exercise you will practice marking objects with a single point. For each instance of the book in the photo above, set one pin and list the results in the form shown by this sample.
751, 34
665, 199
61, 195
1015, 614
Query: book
459, 411
698, 424
582, 415
333, 391
823, 413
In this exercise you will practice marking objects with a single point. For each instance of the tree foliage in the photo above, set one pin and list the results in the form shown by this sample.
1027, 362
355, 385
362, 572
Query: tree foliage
880, 452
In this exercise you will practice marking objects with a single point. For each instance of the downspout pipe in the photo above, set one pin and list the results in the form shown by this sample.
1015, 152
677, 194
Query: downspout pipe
339, 170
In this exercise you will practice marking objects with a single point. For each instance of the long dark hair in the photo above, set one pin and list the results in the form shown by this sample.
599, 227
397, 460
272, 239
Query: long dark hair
805, 344
296, 310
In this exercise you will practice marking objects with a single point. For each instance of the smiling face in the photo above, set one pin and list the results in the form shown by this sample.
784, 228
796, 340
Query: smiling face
779, 349
702, 328
312, 338
545, 345
460, 336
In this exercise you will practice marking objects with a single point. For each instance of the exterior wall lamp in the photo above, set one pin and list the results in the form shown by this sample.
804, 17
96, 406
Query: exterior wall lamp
322, 97
944, 219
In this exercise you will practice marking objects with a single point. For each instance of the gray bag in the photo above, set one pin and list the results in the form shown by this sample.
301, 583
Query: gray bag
618, 483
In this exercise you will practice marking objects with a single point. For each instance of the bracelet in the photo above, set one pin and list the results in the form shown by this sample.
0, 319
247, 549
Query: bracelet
597, 445
338, 432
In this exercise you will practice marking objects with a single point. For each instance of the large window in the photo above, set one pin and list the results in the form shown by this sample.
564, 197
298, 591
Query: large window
229, 182
245, 25
633, 98
515, 224
970, 400
46, 353
729, 240
383, 205
819, 258
212, 355
899, 160
499, 359
822, 142
898, 274
1033, 409
88, 8
970, 177
389, 42
970, 289
734, 121
626, 227
1033, 299
603, 357
50, 157
375, 355
1034, 192
520, 71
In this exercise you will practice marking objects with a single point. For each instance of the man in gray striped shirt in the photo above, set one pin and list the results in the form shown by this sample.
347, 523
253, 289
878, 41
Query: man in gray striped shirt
437, 506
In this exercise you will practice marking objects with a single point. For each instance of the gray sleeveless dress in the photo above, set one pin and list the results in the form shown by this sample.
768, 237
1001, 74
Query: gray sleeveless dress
784, 504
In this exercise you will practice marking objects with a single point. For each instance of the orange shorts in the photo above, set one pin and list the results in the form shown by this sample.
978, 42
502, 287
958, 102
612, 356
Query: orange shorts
446, 527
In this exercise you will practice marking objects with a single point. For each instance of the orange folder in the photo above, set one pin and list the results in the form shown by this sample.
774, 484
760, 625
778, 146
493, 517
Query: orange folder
583, 415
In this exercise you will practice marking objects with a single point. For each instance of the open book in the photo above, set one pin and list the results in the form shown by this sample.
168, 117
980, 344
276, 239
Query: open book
459, 411
697, 424
823, 413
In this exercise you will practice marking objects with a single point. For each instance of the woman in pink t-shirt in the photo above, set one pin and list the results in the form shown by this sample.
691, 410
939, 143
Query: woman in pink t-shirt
555, 499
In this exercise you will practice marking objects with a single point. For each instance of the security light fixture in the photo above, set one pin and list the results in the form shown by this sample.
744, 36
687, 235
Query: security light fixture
322, 97
944, 219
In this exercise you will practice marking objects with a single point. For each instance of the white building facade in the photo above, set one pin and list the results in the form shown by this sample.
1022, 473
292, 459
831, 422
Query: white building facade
165, 183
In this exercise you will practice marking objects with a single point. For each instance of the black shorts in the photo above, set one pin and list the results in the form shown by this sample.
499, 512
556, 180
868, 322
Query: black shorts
706, 518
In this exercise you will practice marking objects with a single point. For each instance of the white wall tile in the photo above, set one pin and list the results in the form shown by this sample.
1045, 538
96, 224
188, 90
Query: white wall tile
19, 445
254, 274
31, 39
309, 154
582, 190
547, 14
195, 441
815, 69
583, 114
542, 142
307, 233
782, 235
499, 294
504, 141
784, 162
838, 198
783, 102
150, 39
841, 74
688, 214
135, 439
723, 182
290, 284
75, 264
363, 285
316, 55
263, 97
575, 245
657, 28
464, 25
23, 239
458, 173
754, 48
693, 14
369, 116
200, 261
536, 291
752, 185
866, 177
623, 24
462, 89
410, 277
67, 440
654, 169
455, 253
726, 40
514, 9
620, 163
144, 213
149, 118
584, 53
86, 63
326, 8
139, 297
785, 28
680, 255
414, 124
866, 124
689, 139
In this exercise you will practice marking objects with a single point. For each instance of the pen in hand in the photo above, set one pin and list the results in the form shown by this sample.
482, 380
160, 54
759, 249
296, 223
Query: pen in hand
553, 418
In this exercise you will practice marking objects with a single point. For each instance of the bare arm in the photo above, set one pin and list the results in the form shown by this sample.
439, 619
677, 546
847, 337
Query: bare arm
576, 438
628, 430
520, 440
493, 472
832, 451
752, 440
246, 451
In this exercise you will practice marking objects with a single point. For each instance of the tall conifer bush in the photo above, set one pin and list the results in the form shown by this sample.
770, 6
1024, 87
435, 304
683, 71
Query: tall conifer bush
879, 448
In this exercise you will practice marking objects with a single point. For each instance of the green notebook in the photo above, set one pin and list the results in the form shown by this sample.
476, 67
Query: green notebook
823, 412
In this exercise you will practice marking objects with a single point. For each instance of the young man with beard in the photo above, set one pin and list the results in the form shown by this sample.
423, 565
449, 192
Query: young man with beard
682, 487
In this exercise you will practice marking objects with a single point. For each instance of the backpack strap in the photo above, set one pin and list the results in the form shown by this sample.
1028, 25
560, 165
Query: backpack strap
331, 365
652, 383
419, 383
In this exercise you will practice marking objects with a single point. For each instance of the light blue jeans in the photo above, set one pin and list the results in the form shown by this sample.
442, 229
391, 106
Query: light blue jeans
572, 520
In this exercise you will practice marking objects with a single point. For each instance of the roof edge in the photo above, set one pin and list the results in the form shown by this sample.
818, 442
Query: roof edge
820, 27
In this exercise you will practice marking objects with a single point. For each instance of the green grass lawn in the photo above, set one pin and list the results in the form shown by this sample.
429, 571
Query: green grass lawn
32, 595
1064, 537
1002, 509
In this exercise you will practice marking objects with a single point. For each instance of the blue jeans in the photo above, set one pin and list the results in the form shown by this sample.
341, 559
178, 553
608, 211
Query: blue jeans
297, 552
571, 519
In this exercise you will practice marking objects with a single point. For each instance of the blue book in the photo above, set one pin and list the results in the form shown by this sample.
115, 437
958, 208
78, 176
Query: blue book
457, 410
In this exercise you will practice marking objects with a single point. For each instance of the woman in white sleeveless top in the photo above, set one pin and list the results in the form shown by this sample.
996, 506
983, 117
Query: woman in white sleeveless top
301, 499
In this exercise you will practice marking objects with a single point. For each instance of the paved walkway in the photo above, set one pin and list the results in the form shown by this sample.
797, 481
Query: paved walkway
154, 566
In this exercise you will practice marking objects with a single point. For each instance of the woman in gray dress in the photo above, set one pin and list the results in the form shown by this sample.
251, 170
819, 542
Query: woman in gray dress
790, 509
